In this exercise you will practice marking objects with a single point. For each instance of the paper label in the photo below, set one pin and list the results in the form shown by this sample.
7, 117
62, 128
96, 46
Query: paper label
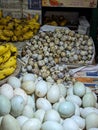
70, 3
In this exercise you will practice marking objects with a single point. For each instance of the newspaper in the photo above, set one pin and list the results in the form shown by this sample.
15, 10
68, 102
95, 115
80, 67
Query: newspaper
21, 8
86, 74
12, 8
32, 7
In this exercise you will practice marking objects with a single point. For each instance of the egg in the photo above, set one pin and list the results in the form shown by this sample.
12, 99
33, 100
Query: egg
70, 124
1, 120
28, 86
79, 89
39, 114
51, 125
32, 124
52, 115
5, 105
21, 119
42, 103
28, 111
89, 100
41, 88
17, 105
74, 99
53, 94
6, 90
31, 102
9, 123
21, 92
66, 109
14, 82
63, 90
29, 77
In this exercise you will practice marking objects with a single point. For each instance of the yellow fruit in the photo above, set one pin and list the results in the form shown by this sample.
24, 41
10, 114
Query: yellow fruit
8, 18
3, 21
36, 17
28, 35
37, 25
31, 27
4, 48
14, 38
63, 23
17, 20
31, 21
13, 49
1, 27
20, 38
17, 32
6, 72
4, 38
7, 33
15, 25
1, 59
35, 31
19, 27
2, 76
6, 56
1, 14
25, 29
1, 32
9, 63
10, 26
53, 23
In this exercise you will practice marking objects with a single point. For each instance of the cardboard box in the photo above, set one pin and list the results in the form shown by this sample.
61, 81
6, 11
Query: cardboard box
70, 3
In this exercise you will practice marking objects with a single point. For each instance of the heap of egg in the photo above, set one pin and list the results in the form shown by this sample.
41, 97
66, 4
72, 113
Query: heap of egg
49, 53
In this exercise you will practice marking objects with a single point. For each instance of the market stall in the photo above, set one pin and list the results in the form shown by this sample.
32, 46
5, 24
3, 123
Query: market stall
48, 76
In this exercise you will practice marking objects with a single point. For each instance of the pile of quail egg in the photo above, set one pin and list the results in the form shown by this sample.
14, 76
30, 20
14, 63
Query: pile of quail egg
49, 53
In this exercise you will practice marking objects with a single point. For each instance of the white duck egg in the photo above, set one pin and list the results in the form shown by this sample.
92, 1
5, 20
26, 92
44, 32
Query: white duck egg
29, 77
21, 119
79, 89
53, 94
28, 111
51, 125
43, 103
70, 124
66, 109
14, 82
17, 105
6, 90
9, 123
41, 88
21, 92
39, 114
31, 102
32, 124
5, 105
28, 87
52, 115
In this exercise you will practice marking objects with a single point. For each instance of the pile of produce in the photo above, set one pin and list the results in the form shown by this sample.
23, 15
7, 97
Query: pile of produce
55, 20
49, 52
8, 59
30, 103
60, 20
13, 29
